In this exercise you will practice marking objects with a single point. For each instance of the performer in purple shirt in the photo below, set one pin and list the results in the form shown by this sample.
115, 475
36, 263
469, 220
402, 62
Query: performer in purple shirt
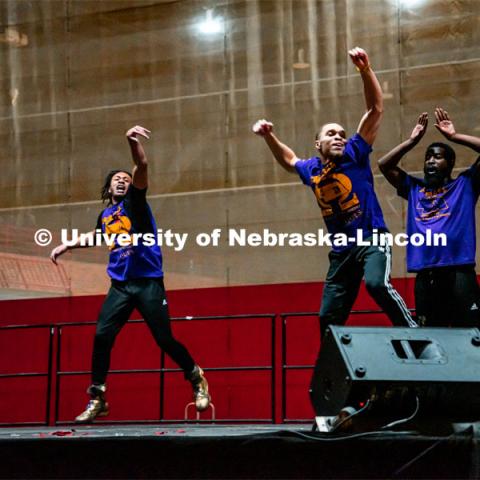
137, 281
341, 179
446, 288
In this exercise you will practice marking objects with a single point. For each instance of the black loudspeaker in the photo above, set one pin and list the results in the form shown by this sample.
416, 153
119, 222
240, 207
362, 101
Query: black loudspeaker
438, 368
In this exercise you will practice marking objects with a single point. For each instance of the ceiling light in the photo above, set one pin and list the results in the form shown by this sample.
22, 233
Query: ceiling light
411, 3
211, 24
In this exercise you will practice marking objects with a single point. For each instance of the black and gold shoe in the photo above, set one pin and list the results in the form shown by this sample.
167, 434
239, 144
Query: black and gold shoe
200, 389
96, 407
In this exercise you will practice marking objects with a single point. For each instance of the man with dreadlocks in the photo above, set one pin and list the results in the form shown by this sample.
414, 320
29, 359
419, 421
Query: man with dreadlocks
342, 181
446, 288
137, 281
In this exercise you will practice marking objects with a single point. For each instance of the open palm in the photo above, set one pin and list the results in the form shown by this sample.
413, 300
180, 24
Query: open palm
444, 125
420, 128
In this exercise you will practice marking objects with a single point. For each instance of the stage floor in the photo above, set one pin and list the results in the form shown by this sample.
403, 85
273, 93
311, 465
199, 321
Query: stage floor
234, 451
147, 431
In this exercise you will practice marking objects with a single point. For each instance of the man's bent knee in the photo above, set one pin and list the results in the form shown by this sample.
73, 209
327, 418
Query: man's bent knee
375, 286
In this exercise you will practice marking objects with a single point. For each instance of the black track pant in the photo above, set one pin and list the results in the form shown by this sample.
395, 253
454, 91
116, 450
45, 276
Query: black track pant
147, 295
448, 297
343, 282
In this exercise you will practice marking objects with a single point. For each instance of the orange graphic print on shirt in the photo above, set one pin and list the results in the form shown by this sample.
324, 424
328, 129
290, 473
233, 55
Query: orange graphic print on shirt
432, 205
334, 194
117, 223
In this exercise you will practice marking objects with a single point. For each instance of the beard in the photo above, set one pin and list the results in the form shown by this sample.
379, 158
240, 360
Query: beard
435, 179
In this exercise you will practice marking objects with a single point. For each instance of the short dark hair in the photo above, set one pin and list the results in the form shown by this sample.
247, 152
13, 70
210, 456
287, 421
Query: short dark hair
319, 131
106, 195
449, 152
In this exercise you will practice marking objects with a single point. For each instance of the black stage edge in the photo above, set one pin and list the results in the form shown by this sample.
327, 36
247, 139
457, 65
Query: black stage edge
205, 451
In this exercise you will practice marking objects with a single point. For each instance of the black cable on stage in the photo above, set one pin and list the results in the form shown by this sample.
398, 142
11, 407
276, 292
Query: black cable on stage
381, 433
327, 438
357, 412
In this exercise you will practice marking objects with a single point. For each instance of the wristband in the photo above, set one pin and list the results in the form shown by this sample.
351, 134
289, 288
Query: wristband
365, 69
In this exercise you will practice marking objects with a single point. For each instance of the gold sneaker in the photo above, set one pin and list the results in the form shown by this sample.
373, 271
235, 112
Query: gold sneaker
96, 407
200, 389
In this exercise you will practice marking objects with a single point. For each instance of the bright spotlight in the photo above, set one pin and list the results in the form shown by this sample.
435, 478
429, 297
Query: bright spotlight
211, 24
412, 3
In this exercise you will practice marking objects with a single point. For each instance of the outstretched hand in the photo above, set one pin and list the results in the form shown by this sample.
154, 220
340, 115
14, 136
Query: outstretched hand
444, 125
133, 132
262, 127
359, 58
420, 128
56, 252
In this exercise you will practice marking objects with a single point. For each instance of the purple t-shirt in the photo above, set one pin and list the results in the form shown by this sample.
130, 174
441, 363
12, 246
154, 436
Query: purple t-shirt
345, 194
449, 209
131, 215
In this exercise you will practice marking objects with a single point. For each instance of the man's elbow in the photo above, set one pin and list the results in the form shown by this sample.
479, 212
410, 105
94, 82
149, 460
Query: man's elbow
376, 110
382, 166
288, 163
292, 161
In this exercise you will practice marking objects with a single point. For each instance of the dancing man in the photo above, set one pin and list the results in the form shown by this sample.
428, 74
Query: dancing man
137, 280
446, 288
342, 181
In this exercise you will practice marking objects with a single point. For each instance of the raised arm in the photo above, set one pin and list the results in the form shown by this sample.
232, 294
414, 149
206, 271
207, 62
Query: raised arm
61, 249
445, 126
140, 171
284, 155
370, 122
388, 163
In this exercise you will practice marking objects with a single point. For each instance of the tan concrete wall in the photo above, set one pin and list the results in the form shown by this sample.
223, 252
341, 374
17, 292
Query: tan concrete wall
92, 69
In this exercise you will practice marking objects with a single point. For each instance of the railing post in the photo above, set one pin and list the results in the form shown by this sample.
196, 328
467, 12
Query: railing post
49, 374
283, 318
162, 385
57, 376
274, 365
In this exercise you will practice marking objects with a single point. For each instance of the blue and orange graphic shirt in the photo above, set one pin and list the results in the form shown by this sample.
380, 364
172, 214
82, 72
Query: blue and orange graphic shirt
344, 191
131, 215
449, 209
